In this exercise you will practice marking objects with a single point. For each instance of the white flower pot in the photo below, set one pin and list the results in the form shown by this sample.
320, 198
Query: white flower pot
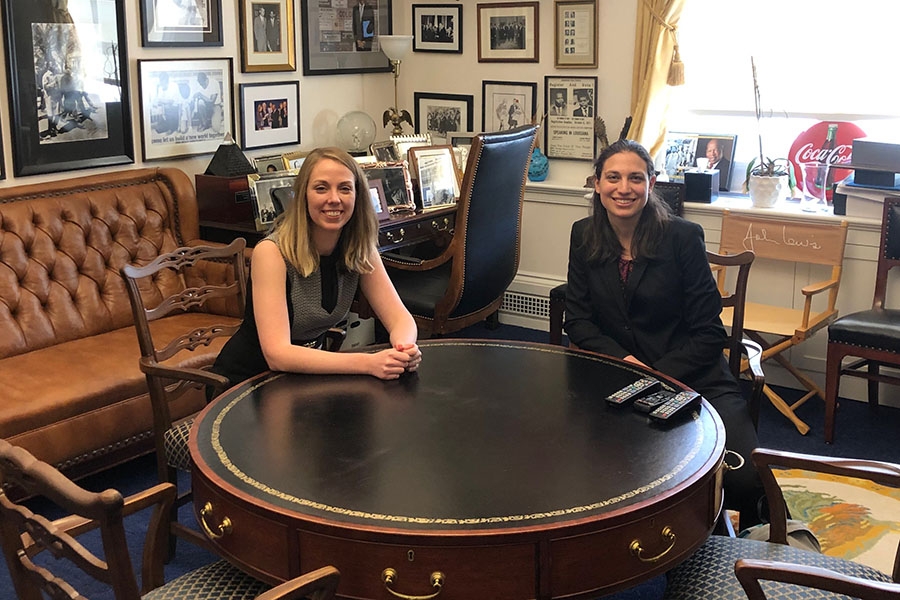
765, 191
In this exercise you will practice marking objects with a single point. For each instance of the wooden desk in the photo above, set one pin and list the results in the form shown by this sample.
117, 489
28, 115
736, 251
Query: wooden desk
402, 229
498, 465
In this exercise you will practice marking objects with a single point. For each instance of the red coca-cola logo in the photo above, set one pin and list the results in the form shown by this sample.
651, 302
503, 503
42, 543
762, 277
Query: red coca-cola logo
809, 148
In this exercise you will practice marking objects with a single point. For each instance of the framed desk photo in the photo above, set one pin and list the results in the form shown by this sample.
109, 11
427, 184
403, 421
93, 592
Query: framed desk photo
436, 174
270, 193
379, 201
47, 55
341, 36
683, 151
396, 183
293, 160
187, 106
385, 151
173, 23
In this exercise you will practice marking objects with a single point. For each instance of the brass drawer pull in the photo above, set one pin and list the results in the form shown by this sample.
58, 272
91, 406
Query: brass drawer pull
389, 577
390, 235
437, 224
221, 530
666, 534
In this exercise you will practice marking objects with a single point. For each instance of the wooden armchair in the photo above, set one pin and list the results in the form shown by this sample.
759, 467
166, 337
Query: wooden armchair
871, 336
27, 538
796, 245
181, 304
750, 572
709, 573
465, 284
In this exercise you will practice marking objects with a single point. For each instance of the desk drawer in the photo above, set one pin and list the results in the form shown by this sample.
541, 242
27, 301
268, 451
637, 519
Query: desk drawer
496, 572
252, 538
437, 228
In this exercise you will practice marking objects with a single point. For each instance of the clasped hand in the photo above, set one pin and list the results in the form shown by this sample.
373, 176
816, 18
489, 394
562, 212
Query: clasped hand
391, 363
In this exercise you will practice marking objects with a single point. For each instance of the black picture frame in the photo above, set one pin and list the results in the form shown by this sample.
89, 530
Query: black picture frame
437, 28
568, 131
89, 133
441, 114
332, 52
682, 150
279, 125
165, 23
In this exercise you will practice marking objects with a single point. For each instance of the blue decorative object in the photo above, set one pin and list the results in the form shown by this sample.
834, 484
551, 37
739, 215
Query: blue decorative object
539, 167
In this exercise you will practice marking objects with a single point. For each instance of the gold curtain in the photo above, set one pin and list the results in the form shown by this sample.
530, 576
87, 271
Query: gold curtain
655, 59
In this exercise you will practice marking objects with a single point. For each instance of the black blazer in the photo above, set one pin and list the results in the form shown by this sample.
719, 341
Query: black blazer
667, 315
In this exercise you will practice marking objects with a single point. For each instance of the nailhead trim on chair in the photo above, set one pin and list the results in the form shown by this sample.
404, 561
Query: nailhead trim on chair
176, 441
214, 582
709, 573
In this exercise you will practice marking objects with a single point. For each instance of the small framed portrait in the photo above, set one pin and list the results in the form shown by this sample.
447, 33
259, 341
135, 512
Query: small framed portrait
442, 114
187, 106
436, 174
385, 151
270, 193
508, 32
575, 44
268, 164
437, 28
270, 114
267, 36
181, 23
507, 104
396, 184
379, 202
293, 160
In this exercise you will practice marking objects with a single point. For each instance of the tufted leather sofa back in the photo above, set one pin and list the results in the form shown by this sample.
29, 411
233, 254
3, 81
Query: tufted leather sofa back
62, 245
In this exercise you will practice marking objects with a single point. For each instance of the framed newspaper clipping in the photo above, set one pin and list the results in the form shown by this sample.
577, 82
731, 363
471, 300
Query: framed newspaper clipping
571, 110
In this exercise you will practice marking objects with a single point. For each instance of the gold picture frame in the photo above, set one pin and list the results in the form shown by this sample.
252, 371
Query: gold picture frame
575, 39
267, 46
293, 160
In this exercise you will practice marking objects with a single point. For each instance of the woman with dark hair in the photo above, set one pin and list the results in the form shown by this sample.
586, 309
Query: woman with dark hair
304, 276
640, 289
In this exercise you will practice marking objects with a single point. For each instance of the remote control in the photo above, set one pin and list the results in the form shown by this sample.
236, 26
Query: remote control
681, 403
649, 403
633, 391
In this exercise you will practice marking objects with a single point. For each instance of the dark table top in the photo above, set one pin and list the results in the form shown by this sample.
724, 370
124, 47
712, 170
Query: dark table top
486, 436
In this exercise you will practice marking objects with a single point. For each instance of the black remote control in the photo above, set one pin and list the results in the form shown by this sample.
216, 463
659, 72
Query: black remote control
633, 391
649, 403
679, 404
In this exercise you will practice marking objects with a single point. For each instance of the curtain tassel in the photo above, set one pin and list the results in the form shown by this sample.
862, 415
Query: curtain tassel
676, 70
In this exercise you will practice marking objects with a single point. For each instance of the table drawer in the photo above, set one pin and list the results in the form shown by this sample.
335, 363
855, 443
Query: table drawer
497, 572
407, 233
251, 536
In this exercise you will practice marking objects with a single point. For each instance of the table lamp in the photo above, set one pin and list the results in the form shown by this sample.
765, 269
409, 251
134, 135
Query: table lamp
395, 47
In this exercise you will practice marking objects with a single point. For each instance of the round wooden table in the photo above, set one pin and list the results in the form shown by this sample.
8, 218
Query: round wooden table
497, 471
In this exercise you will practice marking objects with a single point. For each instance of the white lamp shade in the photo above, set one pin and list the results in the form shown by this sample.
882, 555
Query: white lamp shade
395, 47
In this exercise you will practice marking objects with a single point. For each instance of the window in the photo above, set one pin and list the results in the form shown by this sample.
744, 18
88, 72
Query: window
816, 60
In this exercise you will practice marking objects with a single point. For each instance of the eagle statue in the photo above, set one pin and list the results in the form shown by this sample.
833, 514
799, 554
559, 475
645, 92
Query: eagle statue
392, 116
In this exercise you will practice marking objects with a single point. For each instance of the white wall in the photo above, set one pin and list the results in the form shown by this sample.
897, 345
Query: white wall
323, 99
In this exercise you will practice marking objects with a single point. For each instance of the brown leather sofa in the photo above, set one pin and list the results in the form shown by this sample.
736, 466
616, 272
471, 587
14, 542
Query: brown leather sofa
71, 391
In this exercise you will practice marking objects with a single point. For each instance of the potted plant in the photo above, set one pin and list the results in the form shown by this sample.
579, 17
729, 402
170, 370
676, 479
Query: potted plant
768, 179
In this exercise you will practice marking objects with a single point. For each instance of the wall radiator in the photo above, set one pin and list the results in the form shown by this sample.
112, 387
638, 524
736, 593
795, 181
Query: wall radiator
527, 305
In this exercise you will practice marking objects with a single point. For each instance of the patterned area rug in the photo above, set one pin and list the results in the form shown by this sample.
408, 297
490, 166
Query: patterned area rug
854, 519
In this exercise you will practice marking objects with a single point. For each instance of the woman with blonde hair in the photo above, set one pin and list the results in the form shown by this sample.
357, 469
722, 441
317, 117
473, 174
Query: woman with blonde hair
305, 274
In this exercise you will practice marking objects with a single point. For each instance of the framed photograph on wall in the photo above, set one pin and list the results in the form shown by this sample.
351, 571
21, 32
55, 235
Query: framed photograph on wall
442, 114
569, 127
437, 28
575, 39
507, 104
508, 32
187, 106
342, 37
267, 36
270, 114
175, 23
47, 55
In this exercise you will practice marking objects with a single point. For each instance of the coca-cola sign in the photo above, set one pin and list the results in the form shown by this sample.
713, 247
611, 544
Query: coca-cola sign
810, 147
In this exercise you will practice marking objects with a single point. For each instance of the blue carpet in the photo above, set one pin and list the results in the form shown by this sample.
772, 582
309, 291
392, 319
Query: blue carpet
861, 433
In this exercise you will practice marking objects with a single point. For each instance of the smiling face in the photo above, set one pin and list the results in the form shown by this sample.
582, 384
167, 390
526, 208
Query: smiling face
624, 186
330, 198
712, 152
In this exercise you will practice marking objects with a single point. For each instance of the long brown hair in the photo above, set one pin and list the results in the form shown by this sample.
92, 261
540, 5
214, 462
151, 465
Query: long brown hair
600, 239
359, 236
